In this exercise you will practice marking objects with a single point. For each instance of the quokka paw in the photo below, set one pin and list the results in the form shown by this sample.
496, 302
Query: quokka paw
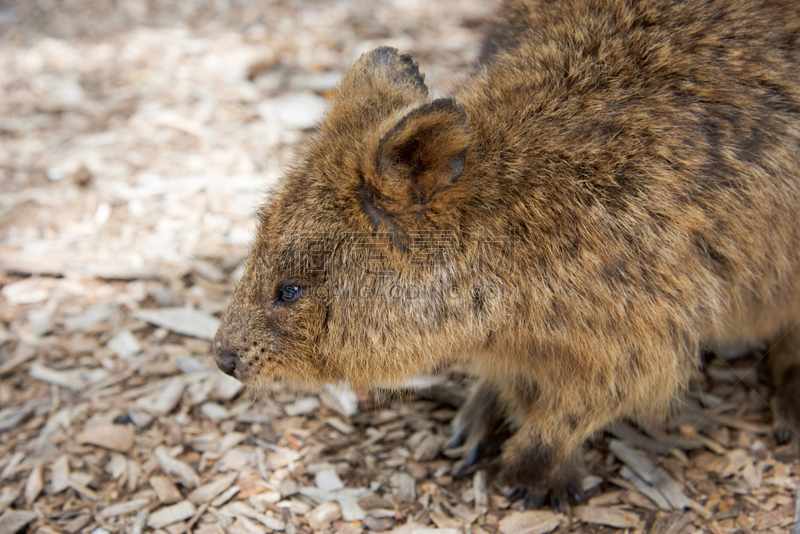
478, 426
787, 404
559, 498
540, 477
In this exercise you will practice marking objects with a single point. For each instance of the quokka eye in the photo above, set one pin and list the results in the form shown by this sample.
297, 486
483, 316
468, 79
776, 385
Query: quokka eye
288, 292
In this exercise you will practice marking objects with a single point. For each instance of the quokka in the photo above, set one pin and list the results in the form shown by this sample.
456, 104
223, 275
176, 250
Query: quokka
615, 187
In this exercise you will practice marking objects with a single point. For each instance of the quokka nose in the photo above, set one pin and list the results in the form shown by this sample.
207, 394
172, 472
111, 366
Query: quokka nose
225, 358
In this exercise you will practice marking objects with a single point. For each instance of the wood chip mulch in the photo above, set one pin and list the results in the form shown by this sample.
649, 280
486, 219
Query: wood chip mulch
138, 138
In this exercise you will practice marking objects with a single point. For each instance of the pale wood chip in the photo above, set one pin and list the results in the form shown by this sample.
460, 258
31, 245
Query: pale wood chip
134, 473
260, 501
481, 498
738, 459
34, 484
59, 419
12, 521
499, 501
75, 525
139, 522
81, 489
169, 397
261, 462
112, 437
117, 465
186, 321
796, 513
205, 442
197, 515
207, 492
11, 467
226, 496
13, 417
123, 508
604, 499
651, 473
381, 513
249, 527
72, 379
639, 464
59, 475
743, 424
530, 522
139, 416
8, 496
752, 476
377, 524
371, 501
409, 528
341, 426
444, 522
628, 433
323, 515
464, 513
15, 361
375, 436
348, 501
226, 387
712, 444
589, 482
237, 459
702, 511
282, 457
240, 509
301, 406
429, 448
229, 441
404, 487
328, 480
646, 489
166, 491
636, 499
609, 516
769, 520
214, 411
674, 523
174, 467
171, 514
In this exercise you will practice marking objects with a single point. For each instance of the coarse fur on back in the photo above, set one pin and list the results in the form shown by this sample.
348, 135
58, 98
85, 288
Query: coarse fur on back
614, 188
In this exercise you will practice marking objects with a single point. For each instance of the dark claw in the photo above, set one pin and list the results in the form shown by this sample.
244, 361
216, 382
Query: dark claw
783, 435
535, 498
575, 492
458, 438
475, 454
558, 501
515, 493
532, 501
468, 465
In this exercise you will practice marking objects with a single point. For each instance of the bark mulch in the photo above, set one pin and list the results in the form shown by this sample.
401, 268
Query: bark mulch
138, 139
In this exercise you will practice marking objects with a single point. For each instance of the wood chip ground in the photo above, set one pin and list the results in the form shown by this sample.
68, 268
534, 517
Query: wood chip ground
137, 140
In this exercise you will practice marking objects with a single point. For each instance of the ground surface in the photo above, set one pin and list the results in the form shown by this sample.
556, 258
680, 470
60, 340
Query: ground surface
137, 138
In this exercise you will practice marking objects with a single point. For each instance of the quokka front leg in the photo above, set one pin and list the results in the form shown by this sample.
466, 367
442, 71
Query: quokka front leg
784, 362
558, 408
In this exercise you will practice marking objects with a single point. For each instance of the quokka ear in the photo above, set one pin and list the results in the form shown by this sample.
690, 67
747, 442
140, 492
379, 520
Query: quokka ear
414, 161
384, 72
398, 68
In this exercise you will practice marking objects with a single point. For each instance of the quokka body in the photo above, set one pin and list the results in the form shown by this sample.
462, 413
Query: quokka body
643, 158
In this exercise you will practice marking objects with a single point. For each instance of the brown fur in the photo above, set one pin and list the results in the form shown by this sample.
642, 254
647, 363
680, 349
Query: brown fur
615, 186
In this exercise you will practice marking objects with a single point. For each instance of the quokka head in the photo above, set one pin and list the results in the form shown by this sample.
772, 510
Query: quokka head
358, 269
